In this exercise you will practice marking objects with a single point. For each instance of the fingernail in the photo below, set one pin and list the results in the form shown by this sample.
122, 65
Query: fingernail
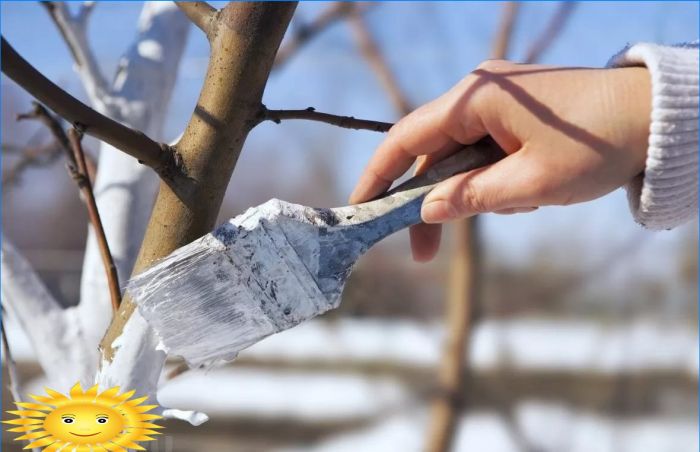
438, 212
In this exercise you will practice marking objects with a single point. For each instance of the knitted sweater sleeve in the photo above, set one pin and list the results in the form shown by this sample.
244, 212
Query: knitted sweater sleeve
666, 194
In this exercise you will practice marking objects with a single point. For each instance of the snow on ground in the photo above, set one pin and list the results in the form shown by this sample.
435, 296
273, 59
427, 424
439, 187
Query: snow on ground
529, 343
542, 427
278, 394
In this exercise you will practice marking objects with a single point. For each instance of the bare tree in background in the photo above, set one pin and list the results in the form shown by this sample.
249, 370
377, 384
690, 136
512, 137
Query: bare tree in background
463, 300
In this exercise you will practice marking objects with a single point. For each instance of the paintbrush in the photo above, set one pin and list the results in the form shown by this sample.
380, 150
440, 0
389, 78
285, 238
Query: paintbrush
275, 265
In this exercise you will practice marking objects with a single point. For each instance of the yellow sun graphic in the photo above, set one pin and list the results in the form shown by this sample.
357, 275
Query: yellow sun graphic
85, 421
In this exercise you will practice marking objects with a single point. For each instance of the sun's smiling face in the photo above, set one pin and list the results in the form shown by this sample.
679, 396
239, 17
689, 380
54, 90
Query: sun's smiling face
85, 420
83, 423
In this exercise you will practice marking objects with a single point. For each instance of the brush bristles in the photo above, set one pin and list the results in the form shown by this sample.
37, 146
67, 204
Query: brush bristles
222, 293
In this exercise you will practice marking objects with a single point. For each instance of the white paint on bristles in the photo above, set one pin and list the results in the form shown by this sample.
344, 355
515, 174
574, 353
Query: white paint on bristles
234, 286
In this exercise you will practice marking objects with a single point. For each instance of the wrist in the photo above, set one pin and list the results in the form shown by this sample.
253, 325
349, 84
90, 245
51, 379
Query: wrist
631, 103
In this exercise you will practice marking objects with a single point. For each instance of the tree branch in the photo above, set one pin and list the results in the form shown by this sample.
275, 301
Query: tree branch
55, 334
73, 29
86, 9
78, 170
202, 14
550, 33
501, 42
80, 175
42, 115
304, 33
160, 157
374, 57
31, 156
348, 122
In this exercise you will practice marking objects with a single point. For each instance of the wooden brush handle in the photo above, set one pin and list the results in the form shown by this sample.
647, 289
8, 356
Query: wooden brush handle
482, 153
400, 207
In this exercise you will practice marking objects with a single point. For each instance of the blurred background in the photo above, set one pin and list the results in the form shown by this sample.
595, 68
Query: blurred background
584, 326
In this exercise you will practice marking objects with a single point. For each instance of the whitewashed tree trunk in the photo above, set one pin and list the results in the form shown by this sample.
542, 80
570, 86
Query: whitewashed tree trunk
54, 332
125, 189
66, 340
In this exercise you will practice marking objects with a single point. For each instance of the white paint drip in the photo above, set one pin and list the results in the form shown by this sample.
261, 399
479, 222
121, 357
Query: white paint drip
193, 417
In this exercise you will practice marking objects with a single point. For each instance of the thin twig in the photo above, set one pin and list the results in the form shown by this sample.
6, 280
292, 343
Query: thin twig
162, 158
78, 169
31, 157
73, 29
41, 114
376, 60
550, 33
202, 14
304, 33
310, 114
501, 42
11, 148
83, 181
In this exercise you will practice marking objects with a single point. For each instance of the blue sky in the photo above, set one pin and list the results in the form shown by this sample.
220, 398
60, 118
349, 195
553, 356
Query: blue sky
430, 46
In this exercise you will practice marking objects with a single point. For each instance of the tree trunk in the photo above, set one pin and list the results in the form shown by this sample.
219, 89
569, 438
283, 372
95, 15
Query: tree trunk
461, 298
244, 39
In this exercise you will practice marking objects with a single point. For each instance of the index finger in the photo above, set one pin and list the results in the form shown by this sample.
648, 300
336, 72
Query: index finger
420, 132
435, 129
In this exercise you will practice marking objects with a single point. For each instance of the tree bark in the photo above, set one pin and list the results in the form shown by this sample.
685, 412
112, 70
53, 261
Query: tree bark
244, 40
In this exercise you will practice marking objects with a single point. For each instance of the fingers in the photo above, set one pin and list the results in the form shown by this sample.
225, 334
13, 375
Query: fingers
510, 185
427, 130
425, 241
425, 238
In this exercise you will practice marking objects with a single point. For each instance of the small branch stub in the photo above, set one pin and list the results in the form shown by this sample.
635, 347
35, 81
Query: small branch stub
310, 114
202, 14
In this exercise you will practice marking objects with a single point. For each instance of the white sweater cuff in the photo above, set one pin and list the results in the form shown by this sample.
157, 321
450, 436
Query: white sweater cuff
666, 194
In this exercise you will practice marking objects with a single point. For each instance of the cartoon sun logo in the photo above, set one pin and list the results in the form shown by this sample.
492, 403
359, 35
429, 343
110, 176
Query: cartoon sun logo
85, 421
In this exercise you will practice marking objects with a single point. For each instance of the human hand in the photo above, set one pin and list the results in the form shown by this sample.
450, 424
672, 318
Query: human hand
571, 135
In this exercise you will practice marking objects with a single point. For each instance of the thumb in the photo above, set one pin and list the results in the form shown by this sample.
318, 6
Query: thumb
507, 184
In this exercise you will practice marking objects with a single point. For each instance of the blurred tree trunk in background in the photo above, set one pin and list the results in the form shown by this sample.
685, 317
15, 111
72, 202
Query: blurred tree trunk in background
463, 298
